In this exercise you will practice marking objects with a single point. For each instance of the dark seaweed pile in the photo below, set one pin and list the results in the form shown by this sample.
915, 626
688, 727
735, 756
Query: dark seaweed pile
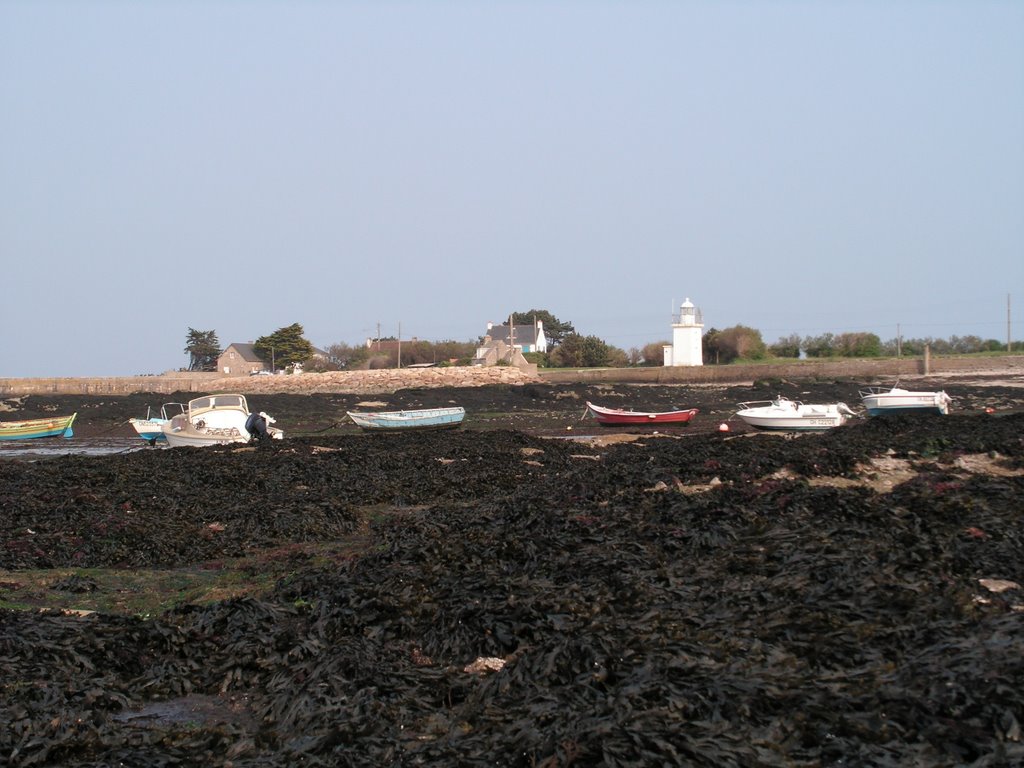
704, 600
533, 408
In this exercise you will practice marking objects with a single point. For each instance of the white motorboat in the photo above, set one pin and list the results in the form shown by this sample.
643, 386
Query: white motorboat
791, 415
879, 400
216, 420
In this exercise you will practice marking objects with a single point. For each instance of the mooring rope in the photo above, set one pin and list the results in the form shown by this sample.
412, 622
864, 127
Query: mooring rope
329, 426
119, 424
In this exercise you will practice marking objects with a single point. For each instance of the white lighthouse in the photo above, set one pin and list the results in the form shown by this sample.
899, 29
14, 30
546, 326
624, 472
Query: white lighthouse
687, 329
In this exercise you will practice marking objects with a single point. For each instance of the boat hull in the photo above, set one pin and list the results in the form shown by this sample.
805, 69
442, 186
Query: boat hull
192, 439
881, 402
196, 439
784, 415
614, 417
793, 423
149, 429
31, 429
402, 421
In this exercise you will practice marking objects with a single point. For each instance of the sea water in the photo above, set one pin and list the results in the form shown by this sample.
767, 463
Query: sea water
46, 447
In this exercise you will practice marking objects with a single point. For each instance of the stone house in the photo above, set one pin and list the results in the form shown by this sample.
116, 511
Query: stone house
240, 360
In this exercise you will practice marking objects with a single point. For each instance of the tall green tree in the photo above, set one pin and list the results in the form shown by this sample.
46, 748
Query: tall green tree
729, 344
820, 346
787, 346
554, 329
654, 353
203, 349
349, 356
284, 347
857, 344
577, 351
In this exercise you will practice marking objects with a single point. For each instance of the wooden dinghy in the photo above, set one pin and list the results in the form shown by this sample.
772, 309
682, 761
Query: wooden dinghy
423, 418
615, 417
31, 428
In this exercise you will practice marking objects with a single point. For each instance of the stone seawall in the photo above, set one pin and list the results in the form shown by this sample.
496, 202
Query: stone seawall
108, 385
357, 382
391, 380
378, 381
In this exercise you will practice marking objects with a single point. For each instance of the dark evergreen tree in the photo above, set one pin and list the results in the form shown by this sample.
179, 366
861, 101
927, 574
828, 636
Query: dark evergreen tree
203, 349
284, 347
577, 351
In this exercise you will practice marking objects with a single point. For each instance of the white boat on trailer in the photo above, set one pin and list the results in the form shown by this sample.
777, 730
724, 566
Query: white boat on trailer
881, 400
217, 420
783, 414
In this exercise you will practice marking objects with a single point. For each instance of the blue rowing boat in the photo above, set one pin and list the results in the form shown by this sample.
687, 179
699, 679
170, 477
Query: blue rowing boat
423, 418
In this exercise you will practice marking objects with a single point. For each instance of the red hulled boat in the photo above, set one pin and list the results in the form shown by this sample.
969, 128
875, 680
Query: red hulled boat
614, 417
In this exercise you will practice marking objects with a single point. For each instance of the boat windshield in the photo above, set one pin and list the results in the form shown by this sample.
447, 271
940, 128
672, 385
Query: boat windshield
217, 401
228, 401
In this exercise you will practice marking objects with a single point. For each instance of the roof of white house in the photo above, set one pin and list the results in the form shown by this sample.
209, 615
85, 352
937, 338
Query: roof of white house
522, 334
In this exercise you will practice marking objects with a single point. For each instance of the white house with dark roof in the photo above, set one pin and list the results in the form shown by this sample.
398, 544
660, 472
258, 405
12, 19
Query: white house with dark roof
528, 337
507, 343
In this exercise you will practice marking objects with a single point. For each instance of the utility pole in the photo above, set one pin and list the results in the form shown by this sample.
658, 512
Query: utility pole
1009, 342
399, 344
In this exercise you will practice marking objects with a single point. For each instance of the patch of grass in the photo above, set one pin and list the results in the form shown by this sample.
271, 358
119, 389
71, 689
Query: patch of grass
150, 592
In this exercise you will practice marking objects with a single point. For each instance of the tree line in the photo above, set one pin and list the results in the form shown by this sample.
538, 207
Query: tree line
568, 348
741, 342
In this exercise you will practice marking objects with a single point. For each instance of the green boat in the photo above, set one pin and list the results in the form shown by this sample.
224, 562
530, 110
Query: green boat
30, 428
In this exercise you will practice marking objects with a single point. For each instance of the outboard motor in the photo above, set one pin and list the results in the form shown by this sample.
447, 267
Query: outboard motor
256, 426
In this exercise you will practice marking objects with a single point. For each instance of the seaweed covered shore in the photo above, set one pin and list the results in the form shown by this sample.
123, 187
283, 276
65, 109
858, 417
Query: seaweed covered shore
538, 409
495, 597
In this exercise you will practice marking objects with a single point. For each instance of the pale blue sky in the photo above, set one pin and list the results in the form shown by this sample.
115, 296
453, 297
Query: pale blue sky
797, 167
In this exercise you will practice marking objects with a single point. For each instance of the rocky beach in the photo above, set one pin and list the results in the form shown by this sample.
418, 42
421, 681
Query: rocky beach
530, 590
